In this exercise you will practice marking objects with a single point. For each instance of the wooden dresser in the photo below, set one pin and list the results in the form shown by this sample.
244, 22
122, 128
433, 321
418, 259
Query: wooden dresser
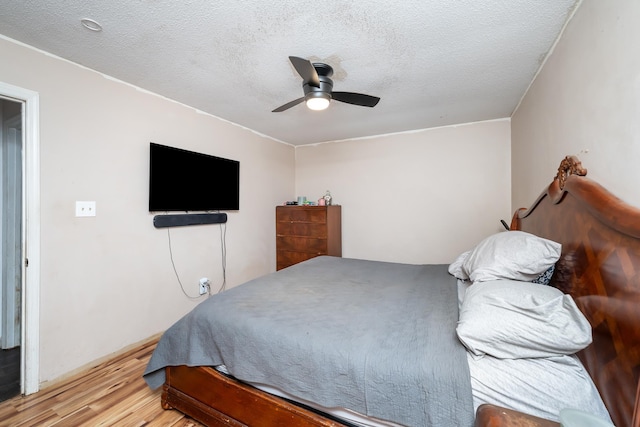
304, 232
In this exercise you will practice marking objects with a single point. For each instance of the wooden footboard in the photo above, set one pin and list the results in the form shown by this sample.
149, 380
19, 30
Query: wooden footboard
217, 400
495, 416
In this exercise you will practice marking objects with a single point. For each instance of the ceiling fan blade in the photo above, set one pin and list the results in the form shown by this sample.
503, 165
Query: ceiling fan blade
306, 70
356, 98
288, 105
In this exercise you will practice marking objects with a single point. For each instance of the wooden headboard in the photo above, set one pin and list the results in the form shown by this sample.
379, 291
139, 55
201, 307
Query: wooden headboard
600, 268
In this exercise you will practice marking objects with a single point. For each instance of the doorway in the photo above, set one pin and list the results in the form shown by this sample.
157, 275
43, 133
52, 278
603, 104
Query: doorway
20, 234
10, 247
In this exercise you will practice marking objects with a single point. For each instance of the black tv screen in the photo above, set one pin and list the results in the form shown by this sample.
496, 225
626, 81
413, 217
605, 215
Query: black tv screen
181, 180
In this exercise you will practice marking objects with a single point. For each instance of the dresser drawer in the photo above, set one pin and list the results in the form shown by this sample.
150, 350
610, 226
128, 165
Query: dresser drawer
312, 245
311, 229
304, 232
301, 214
286, 258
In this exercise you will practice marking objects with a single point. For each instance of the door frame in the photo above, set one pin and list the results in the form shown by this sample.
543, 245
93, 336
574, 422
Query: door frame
10, 335
30, 318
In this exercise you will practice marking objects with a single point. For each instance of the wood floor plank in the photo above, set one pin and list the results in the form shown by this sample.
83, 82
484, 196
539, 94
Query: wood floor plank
110, 394
110, 385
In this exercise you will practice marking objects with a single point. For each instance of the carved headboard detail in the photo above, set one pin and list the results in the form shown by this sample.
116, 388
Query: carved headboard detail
600, 268
570, 165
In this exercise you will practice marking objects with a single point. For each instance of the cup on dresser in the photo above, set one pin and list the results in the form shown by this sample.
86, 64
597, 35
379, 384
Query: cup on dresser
302, 200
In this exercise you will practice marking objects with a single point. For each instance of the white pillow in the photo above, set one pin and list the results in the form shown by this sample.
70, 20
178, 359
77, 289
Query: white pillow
515, 255
455, 268
508, 319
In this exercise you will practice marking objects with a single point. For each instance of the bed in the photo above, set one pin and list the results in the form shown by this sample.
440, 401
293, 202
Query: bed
598, 267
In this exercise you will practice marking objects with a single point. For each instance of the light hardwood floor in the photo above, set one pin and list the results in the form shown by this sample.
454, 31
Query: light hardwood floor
111, 394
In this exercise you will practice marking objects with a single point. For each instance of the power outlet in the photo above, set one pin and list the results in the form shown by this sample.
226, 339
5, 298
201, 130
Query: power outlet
85, 208
204, 286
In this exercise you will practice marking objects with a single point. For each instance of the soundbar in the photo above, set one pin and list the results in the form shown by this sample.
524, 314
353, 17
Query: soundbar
162, 221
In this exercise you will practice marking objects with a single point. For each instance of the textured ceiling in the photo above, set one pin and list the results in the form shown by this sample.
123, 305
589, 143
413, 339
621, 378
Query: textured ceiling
432, 62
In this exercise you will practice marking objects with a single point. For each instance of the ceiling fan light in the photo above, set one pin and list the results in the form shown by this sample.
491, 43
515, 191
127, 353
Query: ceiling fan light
318, 103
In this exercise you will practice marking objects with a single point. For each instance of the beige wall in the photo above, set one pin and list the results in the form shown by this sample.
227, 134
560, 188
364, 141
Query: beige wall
107, 281
420, 197
584, 102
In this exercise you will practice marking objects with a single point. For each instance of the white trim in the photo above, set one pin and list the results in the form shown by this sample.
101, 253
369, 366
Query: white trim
30, 366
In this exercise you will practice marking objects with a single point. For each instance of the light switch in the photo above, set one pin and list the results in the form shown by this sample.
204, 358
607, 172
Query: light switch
85, 208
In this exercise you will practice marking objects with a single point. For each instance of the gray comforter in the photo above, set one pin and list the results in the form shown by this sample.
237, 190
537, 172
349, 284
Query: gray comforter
378, 338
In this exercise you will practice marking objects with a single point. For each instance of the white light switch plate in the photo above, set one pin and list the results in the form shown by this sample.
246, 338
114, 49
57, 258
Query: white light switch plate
85, 208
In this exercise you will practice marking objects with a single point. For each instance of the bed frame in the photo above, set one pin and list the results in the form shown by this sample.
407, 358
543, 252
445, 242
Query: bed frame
599, 267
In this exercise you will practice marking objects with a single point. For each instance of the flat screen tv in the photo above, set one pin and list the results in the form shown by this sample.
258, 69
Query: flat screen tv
181, 180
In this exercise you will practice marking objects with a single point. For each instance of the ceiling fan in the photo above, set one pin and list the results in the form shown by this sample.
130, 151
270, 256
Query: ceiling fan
317, 86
